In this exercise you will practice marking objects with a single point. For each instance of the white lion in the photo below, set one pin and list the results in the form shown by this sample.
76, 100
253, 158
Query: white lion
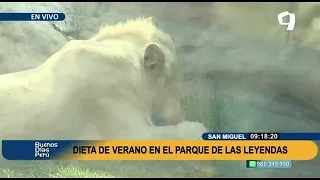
117, 80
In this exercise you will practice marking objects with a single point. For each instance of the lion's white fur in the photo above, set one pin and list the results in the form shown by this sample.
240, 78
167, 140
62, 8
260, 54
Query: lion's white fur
99, 81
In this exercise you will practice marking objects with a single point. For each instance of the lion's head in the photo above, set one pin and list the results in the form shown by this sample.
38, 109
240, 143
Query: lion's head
156, 59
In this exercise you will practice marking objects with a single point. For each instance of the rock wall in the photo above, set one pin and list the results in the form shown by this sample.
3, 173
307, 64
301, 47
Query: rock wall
259, 20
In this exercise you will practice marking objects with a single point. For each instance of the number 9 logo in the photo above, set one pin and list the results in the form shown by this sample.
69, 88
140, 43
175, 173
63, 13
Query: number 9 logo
292, 20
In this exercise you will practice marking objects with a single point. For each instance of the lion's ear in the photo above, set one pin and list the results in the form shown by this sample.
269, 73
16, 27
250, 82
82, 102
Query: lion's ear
154, 59
153, 20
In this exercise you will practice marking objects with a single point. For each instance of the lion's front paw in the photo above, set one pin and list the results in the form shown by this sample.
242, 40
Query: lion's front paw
190, 130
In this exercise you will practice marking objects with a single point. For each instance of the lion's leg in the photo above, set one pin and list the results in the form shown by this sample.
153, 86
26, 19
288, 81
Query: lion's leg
121, 121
